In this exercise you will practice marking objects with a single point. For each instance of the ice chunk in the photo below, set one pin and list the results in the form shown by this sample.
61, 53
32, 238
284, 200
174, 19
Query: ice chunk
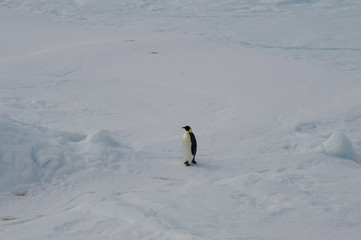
339, 145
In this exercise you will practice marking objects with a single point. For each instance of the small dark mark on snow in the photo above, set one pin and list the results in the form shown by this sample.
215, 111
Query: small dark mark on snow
154, 52
8, 219
165, 178
23, 194
15, 218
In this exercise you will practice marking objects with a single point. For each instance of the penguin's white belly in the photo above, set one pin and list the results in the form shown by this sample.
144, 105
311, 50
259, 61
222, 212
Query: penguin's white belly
187, 147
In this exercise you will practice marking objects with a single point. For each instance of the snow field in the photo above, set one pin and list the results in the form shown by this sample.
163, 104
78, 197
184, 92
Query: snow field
92, 106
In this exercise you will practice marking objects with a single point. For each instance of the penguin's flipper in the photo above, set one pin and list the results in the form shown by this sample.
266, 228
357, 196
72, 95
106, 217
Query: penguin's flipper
193, 143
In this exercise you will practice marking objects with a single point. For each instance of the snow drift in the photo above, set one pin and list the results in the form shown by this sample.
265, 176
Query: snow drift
30, 154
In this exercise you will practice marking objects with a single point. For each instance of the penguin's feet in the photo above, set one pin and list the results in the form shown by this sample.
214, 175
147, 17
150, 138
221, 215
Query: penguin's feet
187, 163
194, 162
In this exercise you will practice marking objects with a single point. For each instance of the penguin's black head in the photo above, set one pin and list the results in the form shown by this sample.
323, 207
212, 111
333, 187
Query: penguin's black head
187, 128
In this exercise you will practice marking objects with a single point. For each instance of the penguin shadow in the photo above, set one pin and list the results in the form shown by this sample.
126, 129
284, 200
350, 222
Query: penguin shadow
203, 163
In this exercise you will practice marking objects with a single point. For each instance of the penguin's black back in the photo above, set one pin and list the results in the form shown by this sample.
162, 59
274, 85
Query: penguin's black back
194, 143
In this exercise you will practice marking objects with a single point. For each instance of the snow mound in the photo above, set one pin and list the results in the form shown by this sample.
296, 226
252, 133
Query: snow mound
30, 154
339, 145
102, 137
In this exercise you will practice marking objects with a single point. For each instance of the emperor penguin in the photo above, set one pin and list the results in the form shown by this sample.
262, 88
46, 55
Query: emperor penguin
189, 146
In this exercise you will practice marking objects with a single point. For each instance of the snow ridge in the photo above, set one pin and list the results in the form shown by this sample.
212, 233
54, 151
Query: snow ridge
36, 155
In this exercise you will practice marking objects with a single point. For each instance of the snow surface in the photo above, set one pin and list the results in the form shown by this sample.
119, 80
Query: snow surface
93, 95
